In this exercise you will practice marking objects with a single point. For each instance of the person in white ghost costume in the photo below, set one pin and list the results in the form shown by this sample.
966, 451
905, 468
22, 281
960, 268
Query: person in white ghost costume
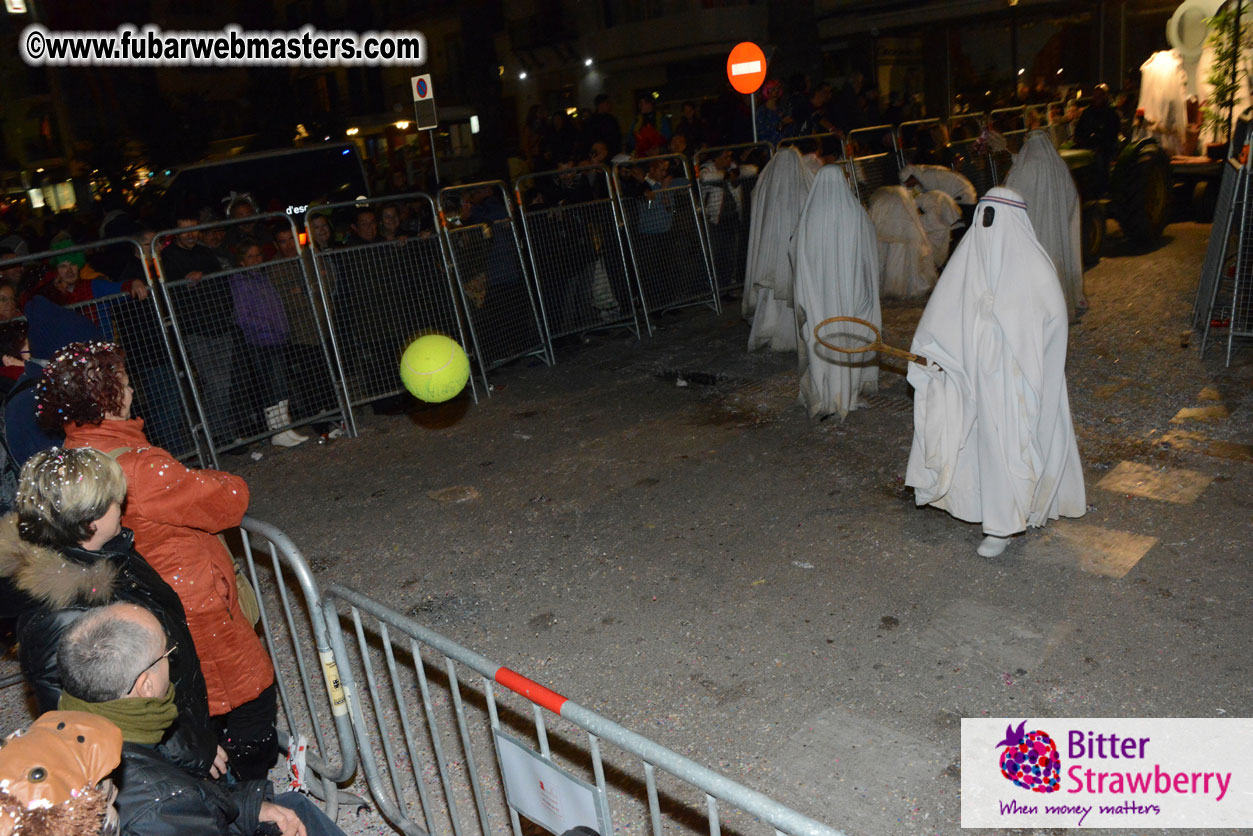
837, 274
993, 438
937, 177
1040, 175
778, 200
939, 215
906, 263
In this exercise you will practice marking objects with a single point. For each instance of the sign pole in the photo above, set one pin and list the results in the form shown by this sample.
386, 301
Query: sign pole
746, 70
430, 137
425, 117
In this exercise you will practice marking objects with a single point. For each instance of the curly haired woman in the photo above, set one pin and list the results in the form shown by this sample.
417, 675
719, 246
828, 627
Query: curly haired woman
176, 514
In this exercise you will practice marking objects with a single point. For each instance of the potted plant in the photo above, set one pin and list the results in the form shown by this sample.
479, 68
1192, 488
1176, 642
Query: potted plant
1228, 74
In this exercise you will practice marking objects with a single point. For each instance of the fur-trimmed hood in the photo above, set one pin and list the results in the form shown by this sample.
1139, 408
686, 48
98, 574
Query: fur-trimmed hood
49, 577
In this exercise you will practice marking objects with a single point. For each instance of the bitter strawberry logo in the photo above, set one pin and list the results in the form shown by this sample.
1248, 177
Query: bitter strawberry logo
1030, 759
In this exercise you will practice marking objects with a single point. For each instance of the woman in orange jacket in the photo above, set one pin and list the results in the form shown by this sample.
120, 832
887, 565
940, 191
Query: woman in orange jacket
176, 514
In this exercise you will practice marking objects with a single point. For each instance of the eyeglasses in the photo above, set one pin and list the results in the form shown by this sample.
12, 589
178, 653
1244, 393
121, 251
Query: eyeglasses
168, 652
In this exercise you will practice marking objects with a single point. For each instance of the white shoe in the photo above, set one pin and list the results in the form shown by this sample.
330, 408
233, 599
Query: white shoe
288, 438
992, 546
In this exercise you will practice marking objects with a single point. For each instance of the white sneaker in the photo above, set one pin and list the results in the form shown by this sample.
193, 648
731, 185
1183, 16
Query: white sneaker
992, 546
288, 438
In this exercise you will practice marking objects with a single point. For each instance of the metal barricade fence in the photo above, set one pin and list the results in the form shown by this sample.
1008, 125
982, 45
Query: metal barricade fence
874, 159
419, 709
485, 249
378, 295
964, 126
1005, 119
1002, 161
234, 329
665, 238
136, 324
828, 143
1059, 127
974, 163
292, 621
726, 206
921, 141
571, 227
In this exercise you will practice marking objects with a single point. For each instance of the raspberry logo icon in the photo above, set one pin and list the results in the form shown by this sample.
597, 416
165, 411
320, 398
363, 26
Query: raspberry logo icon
1030, 759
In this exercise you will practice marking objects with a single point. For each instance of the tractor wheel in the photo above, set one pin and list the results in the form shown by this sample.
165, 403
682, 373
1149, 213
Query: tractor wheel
1142, 193
1092, 225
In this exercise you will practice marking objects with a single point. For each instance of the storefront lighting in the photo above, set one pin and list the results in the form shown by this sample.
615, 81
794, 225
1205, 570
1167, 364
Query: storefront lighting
353, 131
402, 125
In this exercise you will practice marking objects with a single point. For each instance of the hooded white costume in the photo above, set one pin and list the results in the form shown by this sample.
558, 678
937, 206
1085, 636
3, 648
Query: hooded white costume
778, 200
906, 265
940, 216
1040, 175
993, 438
837, 274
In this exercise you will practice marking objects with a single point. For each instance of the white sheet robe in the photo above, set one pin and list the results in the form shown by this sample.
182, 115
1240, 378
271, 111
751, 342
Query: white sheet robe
837, 274
906, 264
1040, 175
937, 177
1164, 100
778, 199
940, 216
993, 438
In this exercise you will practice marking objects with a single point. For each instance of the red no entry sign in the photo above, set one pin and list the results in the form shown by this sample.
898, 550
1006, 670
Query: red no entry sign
746, 67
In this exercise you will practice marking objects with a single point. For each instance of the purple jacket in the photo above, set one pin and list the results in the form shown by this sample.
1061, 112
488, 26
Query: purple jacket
258, 309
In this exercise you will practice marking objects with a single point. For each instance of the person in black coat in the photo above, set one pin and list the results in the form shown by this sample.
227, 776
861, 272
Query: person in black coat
60, 564
117, 665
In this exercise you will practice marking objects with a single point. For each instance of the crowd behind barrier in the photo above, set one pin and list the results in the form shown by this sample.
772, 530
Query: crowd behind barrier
304, 327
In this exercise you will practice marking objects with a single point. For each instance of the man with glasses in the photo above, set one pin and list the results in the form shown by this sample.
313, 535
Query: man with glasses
115, 663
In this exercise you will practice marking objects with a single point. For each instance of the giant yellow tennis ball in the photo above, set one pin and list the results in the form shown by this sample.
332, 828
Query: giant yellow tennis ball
434, 368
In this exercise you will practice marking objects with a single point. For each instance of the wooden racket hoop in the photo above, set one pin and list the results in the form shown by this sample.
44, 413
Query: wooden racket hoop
878, 345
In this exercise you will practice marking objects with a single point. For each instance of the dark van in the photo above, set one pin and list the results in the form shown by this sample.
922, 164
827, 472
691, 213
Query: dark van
285, 180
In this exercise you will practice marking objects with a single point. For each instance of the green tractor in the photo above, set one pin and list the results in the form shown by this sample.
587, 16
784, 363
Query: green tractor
1135, 191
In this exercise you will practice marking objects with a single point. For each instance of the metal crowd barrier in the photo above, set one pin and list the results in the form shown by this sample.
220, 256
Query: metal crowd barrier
874, 158
1002, 161
975, 165
1007, 119
437, 694
138, 327
964, 126
378, 296
916, 142
665, 237
726, 209
829, 142
233, 333
292, 621
479, 229
571, 224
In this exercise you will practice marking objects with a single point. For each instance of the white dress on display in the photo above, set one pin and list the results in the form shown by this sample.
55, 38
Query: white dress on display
778, 199
993, 438
1041, 177
837, 274
906, 265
